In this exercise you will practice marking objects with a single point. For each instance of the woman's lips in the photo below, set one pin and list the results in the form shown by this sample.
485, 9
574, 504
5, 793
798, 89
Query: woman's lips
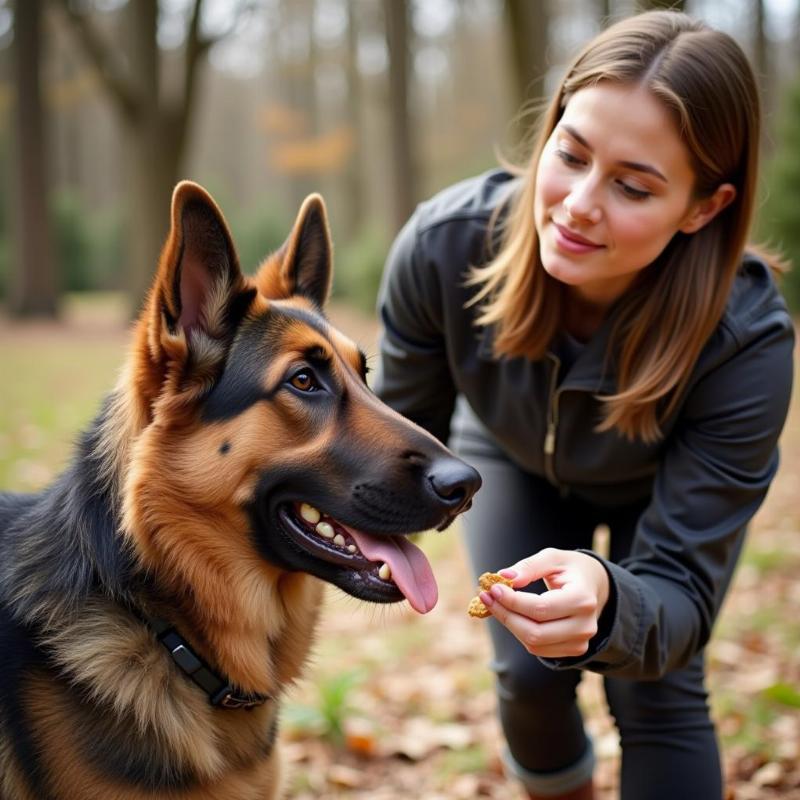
572, 242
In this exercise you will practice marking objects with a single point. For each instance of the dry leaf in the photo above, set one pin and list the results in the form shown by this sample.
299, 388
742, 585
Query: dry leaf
344, 777
360, 738
769, 775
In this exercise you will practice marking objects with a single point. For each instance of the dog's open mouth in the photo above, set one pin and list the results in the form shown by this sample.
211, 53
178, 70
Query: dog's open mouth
391, 560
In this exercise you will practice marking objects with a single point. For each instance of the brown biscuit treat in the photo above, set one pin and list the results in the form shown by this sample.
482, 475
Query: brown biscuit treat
485, 582
478, 609
489, 579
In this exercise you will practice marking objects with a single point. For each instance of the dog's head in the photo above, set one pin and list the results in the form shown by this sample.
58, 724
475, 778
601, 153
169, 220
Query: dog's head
260, 449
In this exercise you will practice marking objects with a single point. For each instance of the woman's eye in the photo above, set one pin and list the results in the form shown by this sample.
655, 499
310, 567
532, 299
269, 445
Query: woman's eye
568, 158
632, 193
304, 381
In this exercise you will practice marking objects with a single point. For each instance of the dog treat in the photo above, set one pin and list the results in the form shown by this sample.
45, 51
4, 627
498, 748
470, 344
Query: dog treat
485, 582
477, 609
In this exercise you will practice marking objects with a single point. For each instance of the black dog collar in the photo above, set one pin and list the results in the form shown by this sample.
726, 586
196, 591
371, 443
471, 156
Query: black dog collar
221, 693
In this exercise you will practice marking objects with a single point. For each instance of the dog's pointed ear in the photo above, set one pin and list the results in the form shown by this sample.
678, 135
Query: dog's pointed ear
304, 263
198, 274
198, 298
195, 305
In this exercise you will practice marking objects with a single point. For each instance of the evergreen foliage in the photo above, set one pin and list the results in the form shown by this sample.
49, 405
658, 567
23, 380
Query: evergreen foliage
779, 217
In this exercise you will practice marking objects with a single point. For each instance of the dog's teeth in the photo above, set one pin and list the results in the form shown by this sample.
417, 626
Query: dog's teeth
325, 529
309, 513
339, 539
385, 572
351, 548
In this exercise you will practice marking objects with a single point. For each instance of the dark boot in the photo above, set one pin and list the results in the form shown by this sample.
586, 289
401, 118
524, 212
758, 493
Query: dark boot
585, 792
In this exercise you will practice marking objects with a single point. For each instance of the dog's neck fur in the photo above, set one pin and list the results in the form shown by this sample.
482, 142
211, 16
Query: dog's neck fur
73, 546
65, 547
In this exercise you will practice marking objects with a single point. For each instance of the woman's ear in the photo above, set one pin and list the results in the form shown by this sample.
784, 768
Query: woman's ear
703, 211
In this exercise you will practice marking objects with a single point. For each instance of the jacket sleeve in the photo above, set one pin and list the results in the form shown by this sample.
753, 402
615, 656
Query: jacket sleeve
413, 374
714, 475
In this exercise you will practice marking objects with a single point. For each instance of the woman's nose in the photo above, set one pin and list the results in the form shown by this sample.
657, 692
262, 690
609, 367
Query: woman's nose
582, 203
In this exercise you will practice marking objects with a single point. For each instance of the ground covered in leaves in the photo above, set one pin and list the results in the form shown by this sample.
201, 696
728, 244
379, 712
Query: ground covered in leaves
396, 705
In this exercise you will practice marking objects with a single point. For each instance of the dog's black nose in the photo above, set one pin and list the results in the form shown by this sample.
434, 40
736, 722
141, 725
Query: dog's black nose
454, 483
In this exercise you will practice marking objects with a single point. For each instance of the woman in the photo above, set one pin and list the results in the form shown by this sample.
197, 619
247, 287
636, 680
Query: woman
593, 337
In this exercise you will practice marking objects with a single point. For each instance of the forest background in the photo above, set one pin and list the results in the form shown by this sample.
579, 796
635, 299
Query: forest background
105, 104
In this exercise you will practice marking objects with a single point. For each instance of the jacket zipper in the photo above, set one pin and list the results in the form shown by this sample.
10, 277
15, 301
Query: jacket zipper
552, 424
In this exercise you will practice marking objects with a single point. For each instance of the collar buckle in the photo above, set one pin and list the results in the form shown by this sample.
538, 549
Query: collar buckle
226, 698
218, 689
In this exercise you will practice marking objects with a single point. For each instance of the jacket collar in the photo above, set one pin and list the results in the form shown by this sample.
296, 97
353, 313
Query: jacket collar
589, 372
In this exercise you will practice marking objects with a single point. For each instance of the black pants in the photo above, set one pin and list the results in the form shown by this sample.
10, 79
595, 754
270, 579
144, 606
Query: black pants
669, 747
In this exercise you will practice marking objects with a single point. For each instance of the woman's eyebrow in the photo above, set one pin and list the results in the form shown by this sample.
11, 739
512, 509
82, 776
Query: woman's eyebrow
635, 165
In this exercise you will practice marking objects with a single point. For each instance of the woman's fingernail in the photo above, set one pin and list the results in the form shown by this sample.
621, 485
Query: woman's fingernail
486, 599
508, 573
497, 591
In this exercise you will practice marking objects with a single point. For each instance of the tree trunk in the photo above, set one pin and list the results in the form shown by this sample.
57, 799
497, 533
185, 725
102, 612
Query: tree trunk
33, 288
651, 5
796, 38
605, 11
402, 156
762, 62
354, 205
152, 170
155, 128
527, 24
298, 89
151, 153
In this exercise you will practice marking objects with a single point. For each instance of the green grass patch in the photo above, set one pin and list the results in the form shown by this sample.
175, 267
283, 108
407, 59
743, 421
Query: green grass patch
783, 694
469, 760
333, 704
767, 561
52, 389
746, 721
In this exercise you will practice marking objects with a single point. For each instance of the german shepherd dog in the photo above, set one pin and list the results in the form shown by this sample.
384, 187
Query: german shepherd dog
158, 599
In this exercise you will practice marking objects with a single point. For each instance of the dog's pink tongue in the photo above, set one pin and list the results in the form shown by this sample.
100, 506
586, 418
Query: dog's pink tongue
410, 568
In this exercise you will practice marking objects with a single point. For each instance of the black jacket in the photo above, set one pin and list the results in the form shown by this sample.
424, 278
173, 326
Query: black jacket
705, 479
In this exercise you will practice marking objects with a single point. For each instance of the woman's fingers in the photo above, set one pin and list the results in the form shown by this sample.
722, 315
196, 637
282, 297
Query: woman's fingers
568, 601
541, 565
561, 621
559, 637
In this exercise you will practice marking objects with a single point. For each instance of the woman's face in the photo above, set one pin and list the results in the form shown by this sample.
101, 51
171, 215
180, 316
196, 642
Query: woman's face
613, 186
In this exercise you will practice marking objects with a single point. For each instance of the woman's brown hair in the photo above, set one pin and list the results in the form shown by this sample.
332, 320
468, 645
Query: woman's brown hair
664, 319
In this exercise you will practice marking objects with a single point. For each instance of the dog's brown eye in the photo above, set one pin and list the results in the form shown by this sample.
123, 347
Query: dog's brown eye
304, 381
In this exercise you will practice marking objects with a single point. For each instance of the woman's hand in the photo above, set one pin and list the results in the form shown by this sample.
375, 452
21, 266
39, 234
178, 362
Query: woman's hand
559, 622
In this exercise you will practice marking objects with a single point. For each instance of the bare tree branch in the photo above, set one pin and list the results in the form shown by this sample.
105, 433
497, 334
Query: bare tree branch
197, 47
243, 7
104, 60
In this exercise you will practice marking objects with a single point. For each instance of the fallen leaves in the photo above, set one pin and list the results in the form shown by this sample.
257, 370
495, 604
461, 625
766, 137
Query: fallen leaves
421, 720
